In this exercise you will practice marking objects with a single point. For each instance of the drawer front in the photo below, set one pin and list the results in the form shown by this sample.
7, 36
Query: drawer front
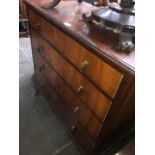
85, 117
88, 121
81, 87
101, 73
82, 138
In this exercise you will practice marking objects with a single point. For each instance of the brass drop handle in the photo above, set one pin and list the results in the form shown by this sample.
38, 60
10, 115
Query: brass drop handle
79, 90
83, 66
76, 109
73, 127
37, 27
40, 49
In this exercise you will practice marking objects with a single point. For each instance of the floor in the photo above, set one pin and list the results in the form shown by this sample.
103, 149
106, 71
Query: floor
41, 132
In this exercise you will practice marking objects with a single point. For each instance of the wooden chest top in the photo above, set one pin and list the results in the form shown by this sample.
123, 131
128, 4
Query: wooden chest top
67, 16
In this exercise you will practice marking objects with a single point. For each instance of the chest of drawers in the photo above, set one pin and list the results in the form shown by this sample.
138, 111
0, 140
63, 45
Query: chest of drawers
89, 84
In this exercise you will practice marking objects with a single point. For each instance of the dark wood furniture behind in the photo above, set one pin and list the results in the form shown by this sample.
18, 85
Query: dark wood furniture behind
23, 21
89, 83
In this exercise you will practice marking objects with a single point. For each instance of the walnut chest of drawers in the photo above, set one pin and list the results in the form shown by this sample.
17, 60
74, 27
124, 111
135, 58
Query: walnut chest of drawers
88, 83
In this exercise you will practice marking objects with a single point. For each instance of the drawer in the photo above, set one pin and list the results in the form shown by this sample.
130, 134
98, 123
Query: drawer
102, 74
91, 96
81, 136
37, 22
85, 117
88, 121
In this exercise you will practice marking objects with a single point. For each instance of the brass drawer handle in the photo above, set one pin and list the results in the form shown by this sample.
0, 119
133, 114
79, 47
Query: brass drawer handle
40, 49
79, 90
37, 27
73, 127
83, 66
76, 109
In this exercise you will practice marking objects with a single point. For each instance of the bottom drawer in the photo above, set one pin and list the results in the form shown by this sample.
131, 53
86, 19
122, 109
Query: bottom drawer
58, 105
81, 136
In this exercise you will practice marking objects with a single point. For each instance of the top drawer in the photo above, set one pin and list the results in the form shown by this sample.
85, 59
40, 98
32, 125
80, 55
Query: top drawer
102, 74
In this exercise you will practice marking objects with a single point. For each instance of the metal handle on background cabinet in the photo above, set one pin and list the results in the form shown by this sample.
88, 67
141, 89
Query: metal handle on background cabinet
40, 49
37, 27
79, 90
83, 66
76, 109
